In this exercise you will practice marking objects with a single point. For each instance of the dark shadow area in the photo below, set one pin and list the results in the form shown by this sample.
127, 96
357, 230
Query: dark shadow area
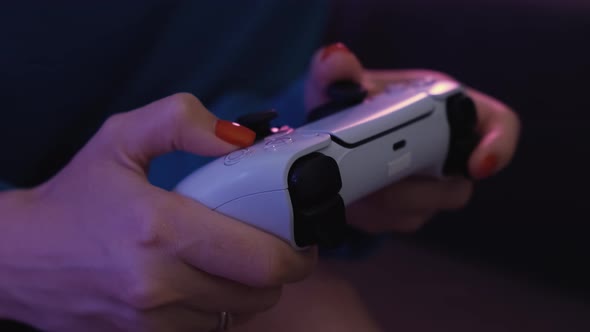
532, 218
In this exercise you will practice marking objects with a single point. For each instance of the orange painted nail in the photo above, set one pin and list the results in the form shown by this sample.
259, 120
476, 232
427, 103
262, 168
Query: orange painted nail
330, 49
234, 133
487, 166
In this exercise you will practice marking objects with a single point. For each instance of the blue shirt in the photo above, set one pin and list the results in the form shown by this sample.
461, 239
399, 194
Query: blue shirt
66, 66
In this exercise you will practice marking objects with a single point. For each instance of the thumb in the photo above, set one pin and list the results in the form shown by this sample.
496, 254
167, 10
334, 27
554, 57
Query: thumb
330, 64
176, 123
500, 129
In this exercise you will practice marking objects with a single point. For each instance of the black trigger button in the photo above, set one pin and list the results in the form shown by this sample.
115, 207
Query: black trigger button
312, 179
259, 122
457, 162
342, 94
462, 114
323, 224
462, 119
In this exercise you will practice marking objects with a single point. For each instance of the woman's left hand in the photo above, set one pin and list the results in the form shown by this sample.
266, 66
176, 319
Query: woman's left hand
407, 205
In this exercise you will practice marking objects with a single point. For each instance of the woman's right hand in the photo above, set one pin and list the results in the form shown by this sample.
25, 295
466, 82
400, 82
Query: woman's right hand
98, 248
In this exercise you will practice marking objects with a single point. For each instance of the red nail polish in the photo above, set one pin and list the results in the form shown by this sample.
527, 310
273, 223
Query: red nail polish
487, 166
235, 134
330, 49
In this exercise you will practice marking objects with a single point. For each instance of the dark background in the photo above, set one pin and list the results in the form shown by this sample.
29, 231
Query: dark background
531, 219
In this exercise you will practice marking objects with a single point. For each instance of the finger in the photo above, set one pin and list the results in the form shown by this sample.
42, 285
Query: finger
201, 291
227, 295
372, 219
500, 130
176, 318
379, 79
497, 123
228, 248
330, 64
410, 222
179, 318
408, 204
177, 122
421, 193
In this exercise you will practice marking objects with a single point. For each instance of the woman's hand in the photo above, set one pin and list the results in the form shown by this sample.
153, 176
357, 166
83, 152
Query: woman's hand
98, 248
408, 204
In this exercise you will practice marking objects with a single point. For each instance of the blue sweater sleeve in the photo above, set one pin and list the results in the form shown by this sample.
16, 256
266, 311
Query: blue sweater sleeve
5, 186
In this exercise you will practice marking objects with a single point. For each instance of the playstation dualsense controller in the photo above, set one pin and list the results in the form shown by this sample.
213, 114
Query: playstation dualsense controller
296, 183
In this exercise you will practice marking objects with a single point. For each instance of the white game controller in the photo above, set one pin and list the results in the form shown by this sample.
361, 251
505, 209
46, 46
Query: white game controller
296, 183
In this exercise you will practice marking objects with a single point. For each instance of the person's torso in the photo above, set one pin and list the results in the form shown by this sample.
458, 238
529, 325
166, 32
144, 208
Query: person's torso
65, 68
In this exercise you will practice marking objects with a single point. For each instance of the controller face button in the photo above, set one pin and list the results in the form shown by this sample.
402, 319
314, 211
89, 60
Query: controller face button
278, 132
313, 179
277, 142
236, 156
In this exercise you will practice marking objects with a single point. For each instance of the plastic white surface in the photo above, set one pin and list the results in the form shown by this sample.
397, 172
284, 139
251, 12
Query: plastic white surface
375, 116
262, 167
251, 184
275, 216
374, 165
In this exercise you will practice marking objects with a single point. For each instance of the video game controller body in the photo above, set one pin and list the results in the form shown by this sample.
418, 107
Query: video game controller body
296, 183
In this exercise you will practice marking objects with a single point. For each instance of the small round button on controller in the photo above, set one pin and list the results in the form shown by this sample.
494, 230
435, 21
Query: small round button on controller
277, 142
236, 156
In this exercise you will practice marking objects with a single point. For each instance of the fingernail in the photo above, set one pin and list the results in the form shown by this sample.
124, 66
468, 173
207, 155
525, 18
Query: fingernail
487, 166
234, 133
331, 49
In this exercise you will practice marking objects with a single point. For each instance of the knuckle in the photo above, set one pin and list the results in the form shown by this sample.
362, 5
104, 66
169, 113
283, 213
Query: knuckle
437, 74
112, 127
151, 222
269, 299
275, 271
143, 294
185, 98
430, 73
285, 265
182, 109
182, 105
460, 195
